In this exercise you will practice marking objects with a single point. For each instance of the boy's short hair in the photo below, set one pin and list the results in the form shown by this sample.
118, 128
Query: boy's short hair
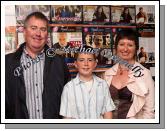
85, 49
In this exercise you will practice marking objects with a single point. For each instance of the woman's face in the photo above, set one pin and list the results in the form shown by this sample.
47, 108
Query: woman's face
87, 38
126, 50
100, 10
126, 11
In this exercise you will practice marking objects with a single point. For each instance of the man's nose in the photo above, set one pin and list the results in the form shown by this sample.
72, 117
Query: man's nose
38, 32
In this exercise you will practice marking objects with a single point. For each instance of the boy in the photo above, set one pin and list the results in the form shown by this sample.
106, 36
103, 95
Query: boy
86, 96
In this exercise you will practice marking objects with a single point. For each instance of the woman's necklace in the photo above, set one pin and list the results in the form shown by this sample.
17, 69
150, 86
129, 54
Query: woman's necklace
121, 70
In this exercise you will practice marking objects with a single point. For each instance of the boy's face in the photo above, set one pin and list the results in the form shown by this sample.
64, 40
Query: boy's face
85, 64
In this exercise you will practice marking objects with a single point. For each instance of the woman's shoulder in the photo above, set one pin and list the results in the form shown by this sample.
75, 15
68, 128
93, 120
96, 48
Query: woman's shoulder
111, 70
140, 68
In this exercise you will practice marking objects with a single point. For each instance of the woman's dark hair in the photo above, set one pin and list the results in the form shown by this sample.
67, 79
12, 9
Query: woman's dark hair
125, 8
99, 16
129, 34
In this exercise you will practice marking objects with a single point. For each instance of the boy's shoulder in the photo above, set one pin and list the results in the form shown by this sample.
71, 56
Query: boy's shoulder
98, 78
72, 83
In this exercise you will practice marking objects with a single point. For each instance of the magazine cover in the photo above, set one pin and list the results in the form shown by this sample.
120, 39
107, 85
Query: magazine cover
146, 53
145, 14
124, 14
146, 50
96, 14
146, 30
23, 10
65, 41
66, 13
99, 38
10, 39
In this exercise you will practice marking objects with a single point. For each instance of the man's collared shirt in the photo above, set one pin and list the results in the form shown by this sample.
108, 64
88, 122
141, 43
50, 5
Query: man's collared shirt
33, 78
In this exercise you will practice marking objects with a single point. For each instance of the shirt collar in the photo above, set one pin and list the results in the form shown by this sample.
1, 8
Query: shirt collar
113, 70
77, 79
40, 54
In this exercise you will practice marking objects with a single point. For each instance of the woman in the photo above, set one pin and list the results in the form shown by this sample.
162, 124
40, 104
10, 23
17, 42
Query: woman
132, 87
125, 16
99, 15
88, 40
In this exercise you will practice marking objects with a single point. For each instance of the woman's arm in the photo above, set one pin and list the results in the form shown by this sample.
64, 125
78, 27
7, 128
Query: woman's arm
149, 106
107, 115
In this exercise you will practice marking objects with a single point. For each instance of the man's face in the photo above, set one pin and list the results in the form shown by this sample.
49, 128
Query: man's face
141, 10
62, 37
98, 40
142, 50
36, 33
108, 40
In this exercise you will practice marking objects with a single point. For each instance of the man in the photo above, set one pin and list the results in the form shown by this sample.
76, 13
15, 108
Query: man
98, 41
34, 81
62, 38
142, 56
141, 16
61, 44
108, 40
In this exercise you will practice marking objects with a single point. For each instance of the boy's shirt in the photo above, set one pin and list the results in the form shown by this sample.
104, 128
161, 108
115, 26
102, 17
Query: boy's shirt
80, 103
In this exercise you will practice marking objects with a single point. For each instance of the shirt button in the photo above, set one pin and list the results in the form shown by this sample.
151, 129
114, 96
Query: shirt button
36, 84
38, 110
37, 97
35, 71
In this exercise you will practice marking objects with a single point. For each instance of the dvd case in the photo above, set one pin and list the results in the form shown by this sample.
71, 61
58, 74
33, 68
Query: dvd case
145, 14
123, 15
23, 10
96, 14
65, 41
100, 38
66, 13
10, 39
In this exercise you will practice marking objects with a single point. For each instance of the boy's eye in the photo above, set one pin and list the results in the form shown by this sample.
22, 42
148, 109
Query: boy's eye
90, 60
80, 60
